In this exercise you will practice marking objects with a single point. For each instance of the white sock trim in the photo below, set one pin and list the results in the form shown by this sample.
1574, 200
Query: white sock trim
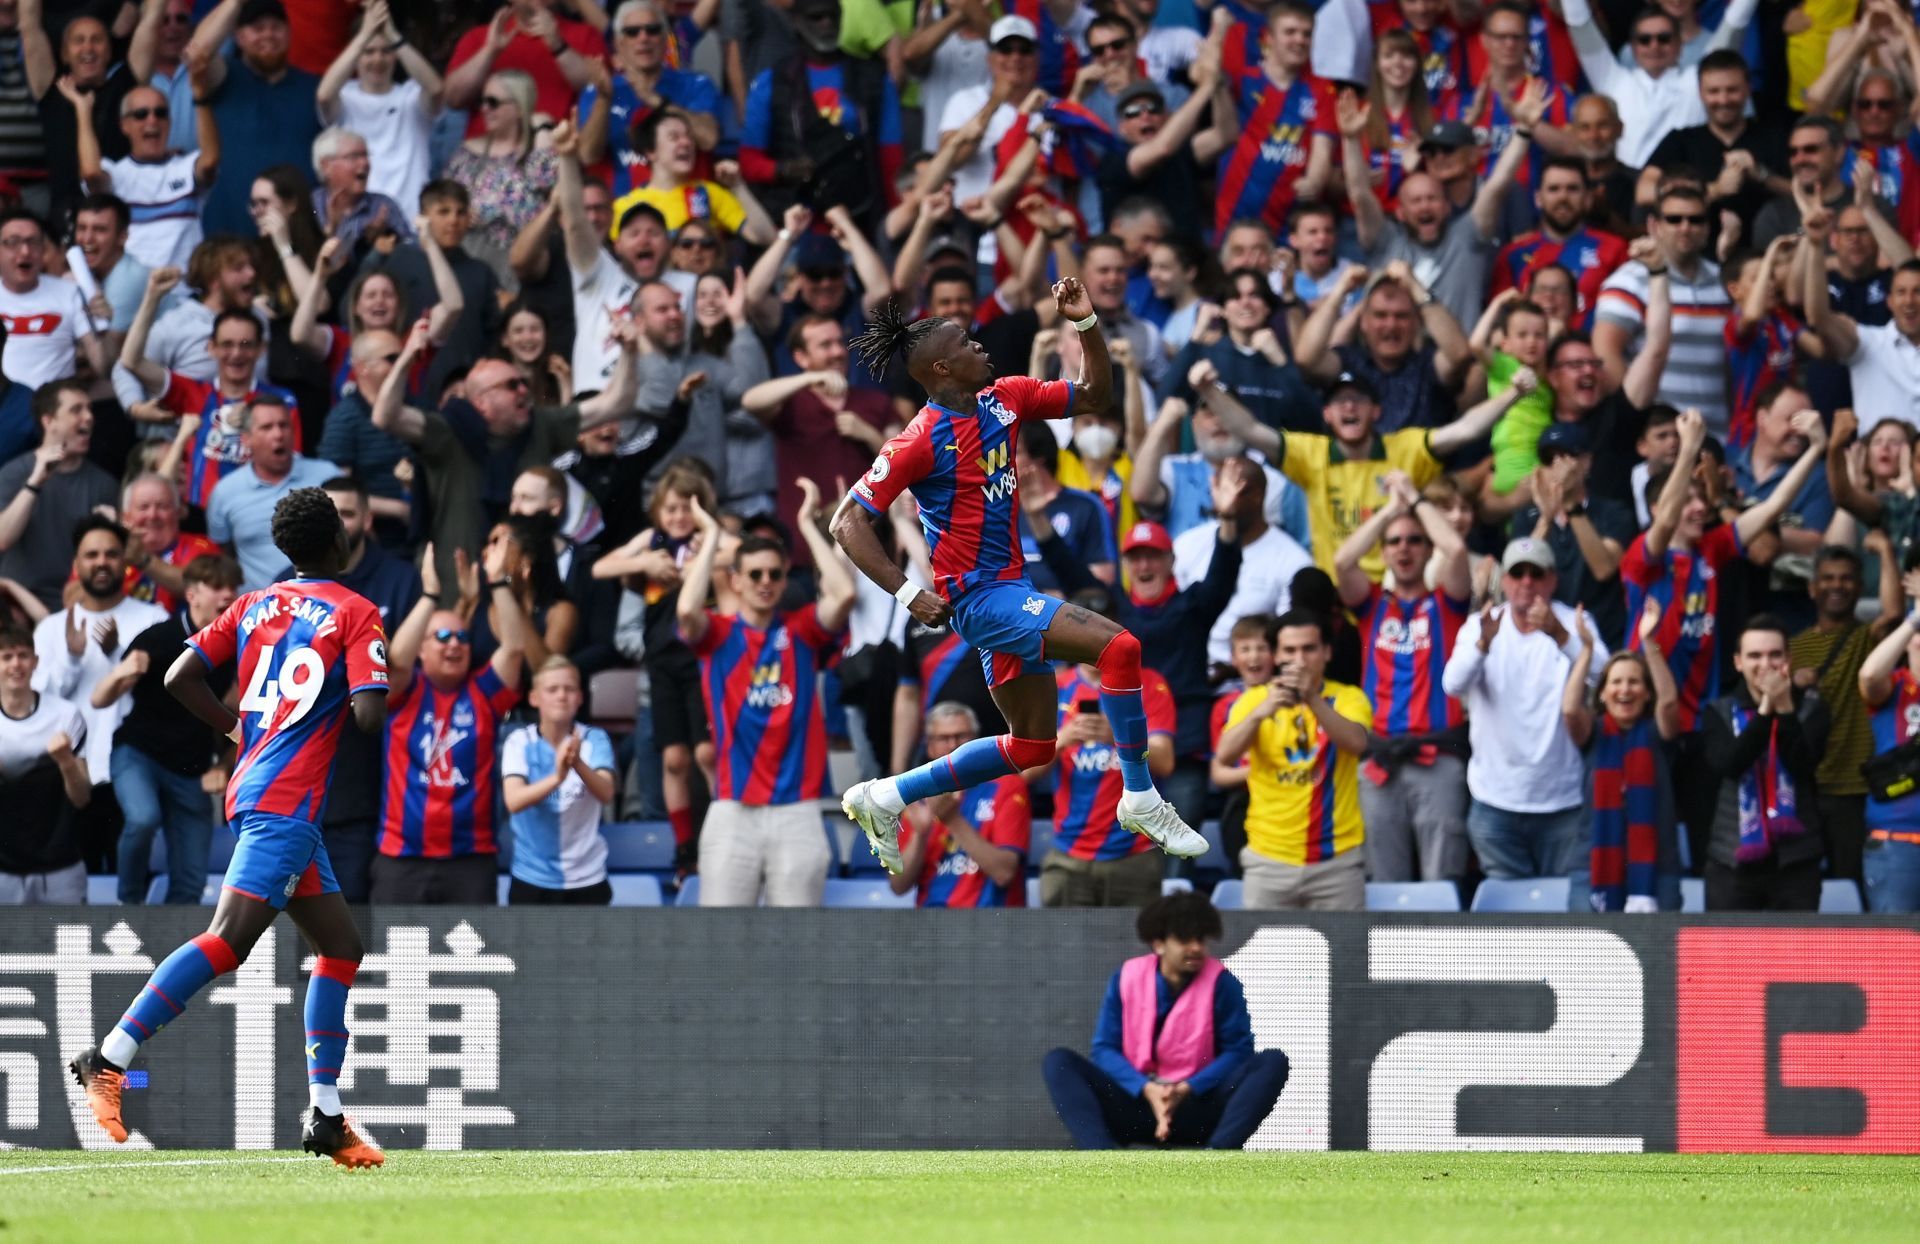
119, 1049
1139, 800
325, 1096
885, 794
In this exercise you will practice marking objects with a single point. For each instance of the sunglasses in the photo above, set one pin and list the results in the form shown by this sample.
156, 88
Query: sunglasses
1874, 105
1811, 149
1683, 218
699, 244
493, 101
448, 635
644, 28
1527, 570
1097, 50
1145, 108
140, 114
774, 575
515, 382
1394, 542
1015, 47
1653, 40
389, 359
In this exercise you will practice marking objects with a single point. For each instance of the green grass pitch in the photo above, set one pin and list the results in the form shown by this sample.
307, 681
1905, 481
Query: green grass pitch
422, 1198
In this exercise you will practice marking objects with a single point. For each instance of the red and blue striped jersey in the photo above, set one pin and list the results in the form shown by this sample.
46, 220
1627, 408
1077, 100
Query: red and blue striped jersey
1385, 164
301, 649
1443, 51
1086, 793
219, 447
1550, 51
142, 586
441, 761
1590, 254
1896, 722
1754, 362
1896, 168
1687, 585
1277, 127
762, 694
961, 468
1000, 812
1493, 128
1406, 645
1059, 55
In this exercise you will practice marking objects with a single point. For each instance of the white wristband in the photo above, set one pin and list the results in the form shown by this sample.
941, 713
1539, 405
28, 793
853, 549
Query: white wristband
907, 593
1083, 325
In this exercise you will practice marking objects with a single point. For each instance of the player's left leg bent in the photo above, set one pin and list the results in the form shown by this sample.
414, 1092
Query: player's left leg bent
1006, 622
325, 920
1077, 634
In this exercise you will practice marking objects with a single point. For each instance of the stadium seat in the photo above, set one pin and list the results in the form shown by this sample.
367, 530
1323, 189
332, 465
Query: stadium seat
157, 890
1693, 894
1033, 891
157, 856
220, 851
1530, 894
635, 889
210, 893
501, 885
1412, 896
638, 846
1040, 845
1214, 860
1227, 895
614, 697
503, 850
1175, 885
864, 893
689, 895
843, 771
1839, 897
103, 891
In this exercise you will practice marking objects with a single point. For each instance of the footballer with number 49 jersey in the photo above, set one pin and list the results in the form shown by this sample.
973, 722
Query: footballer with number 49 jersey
961, 467
301, 648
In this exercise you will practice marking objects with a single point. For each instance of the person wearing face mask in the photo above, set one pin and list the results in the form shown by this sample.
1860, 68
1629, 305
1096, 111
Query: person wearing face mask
1098, 463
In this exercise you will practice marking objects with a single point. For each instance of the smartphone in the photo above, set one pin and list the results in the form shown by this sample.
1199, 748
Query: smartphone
1087, 706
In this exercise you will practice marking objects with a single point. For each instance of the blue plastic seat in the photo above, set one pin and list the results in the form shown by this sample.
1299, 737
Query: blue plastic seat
689, 895
1228, 894
1528, 894
220, 851
1214, 860
1839, 897
103, 891
636, 889
157, 890
1693, 893
638, 846
1033, 891
1412, 896
1175, 885
862, 892
500, 890
1040, 845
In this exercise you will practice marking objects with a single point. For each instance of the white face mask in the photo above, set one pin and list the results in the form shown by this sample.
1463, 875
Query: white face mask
1096, 441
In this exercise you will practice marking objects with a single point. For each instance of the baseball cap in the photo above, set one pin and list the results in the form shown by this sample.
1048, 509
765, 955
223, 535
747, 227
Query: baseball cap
1145, 535
254, 10
1527, 551
1449, 135
948, 244
1144, 89
1354, 381
1012, 27
816, 252
1564, 438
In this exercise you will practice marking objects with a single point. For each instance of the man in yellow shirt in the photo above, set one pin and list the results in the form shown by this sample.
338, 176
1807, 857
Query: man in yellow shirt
1341, 470
1303, 737
672, 190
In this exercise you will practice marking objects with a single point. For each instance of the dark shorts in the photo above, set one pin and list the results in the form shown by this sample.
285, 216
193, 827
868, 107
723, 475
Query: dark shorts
1007, 623
679, 711
470, 879
520, 894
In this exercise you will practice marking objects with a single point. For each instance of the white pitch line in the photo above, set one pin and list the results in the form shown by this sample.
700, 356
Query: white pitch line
102, 1166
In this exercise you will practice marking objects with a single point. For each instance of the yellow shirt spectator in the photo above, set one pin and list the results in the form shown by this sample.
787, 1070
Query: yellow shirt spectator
697, 200
1303, 802
1342, 492
1111, 487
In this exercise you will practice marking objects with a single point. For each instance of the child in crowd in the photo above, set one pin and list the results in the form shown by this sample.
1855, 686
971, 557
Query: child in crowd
558, 776
1512, 335
1253, 666
1633, 864
1658, 445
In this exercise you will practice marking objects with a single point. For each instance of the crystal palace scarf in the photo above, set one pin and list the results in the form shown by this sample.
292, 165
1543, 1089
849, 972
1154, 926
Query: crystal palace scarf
1626, 808
1768, 806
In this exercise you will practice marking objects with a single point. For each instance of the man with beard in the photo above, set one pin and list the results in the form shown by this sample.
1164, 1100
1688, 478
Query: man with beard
1741, 156
265, 109
1563, 238
1880, 359
606, 280
46, 319
80, 645
1452, 246
1414, 378
162, 754
48, 491
1655, 94
1816, 150
1343, 469
86, 51
163, 188
158, 552
240, 508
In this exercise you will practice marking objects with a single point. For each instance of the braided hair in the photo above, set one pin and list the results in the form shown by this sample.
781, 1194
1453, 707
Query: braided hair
306, 527
889, 336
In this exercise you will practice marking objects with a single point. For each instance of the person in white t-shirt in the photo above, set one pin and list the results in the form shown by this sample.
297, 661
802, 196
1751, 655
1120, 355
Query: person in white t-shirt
42, 782
164, 189
1269, 557
605, 281
358, 92
558, 775
987, 111
46, 318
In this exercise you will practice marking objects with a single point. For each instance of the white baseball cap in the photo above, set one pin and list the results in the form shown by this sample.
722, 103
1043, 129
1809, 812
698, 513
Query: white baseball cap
1012, 27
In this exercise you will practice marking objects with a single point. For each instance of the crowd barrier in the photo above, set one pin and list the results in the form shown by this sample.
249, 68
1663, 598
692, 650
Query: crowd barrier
484, 1028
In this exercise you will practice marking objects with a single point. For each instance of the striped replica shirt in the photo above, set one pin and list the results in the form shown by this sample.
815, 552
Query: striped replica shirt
1696, 373
1000, 812
1896, 722
1686, 582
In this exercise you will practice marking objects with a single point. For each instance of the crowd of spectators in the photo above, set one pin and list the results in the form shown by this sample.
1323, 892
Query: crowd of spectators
1511, 471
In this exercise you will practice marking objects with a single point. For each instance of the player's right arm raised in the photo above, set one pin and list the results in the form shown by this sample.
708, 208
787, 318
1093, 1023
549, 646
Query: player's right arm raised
1093, 391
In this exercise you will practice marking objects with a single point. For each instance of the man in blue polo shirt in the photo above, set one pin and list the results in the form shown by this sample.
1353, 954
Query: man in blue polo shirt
240, 511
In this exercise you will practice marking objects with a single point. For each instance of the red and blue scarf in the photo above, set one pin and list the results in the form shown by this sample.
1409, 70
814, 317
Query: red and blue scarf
1626, 813
1769, 809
